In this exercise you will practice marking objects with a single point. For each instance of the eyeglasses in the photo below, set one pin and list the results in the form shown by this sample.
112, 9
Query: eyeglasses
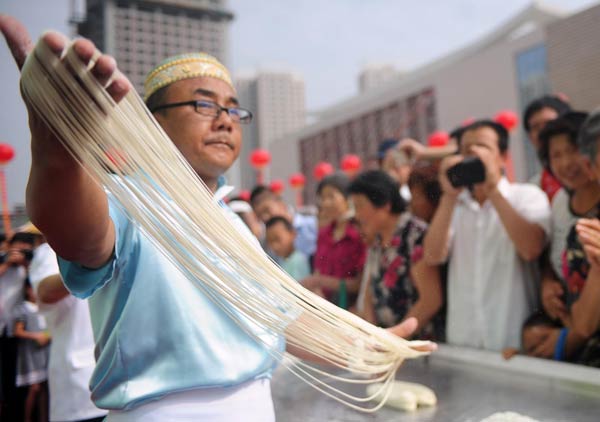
210, 109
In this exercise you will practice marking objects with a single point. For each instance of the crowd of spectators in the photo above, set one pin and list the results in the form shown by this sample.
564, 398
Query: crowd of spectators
492, 264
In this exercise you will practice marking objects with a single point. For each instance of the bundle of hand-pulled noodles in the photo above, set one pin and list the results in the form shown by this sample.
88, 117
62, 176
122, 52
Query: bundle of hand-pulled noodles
124, 149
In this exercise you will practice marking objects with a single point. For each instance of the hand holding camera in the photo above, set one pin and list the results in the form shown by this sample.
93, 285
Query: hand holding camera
492, 166
19, 257
446, 166
475, 170
468, 172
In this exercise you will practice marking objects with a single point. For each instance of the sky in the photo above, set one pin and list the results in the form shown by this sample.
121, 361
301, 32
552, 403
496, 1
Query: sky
326, 42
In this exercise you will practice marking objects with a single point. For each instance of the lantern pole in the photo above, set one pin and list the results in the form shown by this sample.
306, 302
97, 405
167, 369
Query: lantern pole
5, 212
259, 176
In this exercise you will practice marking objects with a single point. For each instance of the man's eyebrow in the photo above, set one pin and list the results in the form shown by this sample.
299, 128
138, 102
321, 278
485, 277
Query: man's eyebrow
213, 96
205, 92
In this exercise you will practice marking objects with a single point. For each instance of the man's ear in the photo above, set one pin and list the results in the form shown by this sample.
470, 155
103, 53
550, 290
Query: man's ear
589, 168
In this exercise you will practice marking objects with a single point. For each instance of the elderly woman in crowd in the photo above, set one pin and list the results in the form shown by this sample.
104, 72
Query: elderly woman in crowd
397, 282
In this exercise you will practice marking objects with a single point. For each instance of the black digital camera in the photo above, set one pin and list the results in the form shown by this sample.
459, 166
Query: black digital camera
468, 172
28, 254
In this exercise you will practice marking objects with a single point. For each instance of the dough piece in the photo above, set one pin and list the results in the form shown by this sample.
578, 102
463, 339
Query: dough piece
406, 395
508, 417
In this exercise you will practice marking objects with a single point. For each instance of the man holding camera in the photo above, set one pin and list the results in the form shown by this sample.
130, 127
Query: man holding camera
13, 272
491, 232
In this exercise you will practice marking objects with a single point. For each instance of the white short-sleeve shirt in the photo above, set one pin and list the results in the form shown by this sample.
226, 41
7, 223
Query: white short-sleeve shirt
491, 290
71, 361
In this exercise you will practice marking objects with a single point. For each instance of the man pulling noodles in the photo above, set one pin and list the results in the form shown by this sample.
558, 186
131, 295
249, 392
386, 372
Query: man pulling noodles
164, 350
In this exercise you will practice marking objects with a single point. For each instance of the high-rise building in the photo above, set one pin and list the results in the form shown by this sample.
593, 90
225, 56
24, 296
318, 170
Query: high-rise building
374, 75
141, 33
503, 70
276, 98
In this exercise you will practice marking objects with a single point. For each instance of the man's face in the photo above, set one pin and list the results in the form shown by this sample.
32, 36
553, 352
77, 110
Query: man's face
269, 207
210, 144
16, 253
484, 137
537, 121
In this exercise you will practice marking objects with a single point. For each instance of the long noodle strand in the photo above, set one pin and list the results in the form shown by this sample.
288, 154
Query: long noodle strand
126, 151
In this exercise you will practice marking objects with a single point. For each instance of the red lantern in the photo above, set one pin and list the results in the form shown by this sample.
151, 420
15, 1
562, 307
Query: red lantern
7, 153
322, 169
351, 163
277, 187
244, 195
260, 158
507, 118
297, 180
439, 138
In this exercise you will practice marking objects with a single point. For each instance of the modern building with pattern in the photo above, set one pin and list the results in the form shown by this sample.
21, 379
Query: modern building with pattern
277, 100
574, 57
141, 33
528, 56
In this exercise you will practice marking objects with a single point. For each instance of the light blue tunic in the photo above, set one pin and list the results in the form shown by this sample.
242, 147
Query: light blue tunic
296, 265
155, 332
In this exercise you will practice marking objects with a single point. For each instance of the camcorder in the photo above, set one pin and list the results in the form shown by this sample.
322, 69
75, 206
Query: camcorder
27, 255
468, 172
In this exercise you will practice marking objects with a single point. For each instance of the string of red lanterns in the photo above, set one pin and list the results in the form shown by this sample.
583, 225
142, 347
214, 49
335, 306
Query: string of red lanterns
351, 163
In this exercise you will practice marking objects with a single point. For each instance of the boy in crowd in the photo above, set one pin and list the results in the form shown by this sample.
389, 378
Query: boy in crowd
280, 239
267, 205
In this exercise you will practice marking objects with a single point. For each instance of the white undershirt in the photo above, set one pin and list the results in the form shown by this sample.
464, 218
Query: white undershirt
249, 402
